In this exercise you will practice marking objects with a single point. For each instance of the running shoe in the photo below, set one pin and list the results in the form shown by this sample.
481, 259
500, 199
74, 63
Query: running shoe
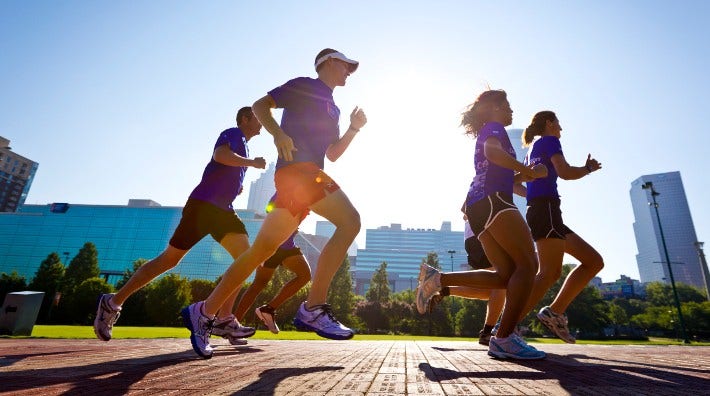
200, 327
236, 341
484, 338
321, 320
230, 327
556, 323
267, 315
513, 347
429, 285
106, 317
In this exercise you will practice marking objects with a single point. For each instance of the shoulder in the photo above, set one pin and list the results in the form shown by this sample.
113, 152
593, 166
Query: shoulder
493, 129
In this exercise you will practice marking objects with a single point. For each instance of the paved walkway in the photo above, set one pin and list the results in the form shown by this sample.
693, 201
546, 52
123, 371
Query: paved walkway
168, 366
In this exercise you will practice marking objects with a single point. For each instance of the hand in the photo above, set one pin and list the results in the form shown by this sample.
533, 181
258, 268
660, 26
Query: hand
591, 164
358, 119
538, 171
259, 163
284, 144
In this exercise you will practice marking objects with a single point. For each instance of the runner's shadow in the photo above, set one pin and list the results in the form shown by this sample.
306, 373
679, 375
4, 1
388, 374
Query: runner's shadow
113, 377
8, 360
270, 378
576, 375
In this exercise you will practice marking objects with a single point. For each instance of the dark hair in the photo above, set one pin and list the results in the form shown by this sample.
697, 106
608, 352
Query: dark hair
479, 112
324, 52
537, 126
244, 112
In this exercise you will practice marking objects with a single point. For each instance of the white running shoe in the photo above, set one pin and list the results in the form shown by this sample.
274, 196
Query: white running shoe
556, 323
200, 327
230, 327
321, 320
429, 285
513, 347
236, 341
106, 317
267, 315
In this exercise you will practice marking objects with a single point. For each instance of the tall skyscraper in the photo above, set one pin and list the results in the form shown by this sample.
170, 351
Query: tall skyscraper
261, 190
678, 231
16, 175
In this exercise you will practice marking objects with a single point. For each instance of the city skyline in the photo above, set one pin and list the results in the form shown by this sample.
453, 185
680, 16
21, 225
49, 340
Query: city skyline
123, 100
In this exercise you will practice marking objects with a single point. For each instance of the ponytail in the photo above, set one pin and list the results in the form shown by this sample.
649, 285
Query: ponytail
537, 126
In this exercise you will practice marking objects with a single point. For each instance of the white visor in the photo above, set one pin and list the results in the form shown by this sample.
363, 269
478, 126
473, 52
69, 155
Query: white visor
338, 55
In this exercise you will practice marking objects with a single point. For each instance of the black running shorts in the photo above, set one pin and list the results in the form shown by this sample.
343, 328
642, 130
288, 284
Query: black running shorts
544, 218
201, 218
482, 214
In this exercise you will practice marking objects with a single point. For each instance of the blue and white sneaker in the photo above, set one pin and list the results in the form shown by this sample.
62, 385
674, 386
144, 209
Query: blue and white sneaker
200, 327
513, 347
321, 320
429, 285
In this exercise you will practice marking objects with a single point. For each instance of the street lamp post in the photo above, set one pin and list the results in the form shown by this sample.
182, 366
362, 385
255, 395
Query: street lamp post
654, 194
451, 252
703, 268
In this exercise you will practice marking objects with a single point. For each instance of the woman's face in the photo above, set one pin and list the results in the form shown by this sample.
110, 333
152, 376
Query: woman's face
553, 128
504, 113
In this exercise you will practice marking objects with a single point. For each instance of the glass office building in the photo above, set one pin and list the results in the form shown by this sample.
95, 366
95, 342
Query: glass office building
678, 231
403, 250
122, 234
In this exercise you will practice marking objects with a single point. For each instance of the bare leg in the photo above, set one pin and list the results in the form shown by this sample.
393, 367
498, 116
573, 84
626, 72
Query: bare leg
550, 252
168, 259
591, 263
337, 208
235, 244
469, 292
261, 279
299, 266
277, 227
496, 302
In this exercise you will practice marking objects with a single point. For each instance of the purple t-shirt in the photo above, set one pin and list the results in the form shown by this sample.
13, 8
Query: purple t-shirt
310, 117
541, 152
221, 183
490, 177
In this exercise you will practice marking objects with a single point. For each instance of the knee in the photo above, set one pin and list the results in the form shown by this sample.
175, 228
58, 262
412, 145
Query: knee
351, 226
595, 264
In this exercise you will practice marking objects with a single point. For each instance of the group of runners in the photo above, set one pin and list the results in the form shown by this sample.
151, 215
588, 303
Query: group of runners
507, 270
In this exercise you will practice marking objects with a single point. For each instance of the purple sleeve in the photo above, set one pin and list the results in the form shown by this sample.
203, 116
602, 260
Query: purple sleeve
552, 146
285, 94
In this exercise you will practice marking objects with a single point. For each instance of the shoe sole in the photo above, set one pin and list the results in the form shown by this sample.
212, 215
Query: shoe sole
98, 309
550, 326
302, 326
235, 341
261, 316
185, 313
505, 355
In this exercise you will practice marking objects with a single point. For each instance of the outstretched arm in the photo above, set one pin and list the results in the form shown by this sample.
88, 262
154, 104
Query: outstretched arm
357, 121
568, 172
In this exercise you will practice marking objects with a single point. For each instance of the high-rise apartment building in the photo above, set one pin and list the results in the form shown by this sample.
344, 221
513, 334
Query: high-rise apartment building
261, 190
16, 175
403, 250
516, 139
678, 231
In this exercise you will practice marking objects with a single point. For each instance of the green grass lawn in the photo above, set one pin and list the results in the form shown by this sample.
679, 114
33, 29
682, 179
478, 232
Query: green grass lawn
78, 332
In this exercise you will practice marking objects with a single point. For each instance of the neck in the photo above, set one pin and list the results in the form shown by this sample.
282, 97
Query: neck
330, 82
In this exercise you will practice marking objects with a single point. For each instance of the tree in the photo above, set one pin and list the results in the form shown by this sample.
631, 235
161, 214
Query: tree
432, 260
48, 278
167, 296
11, 283
379, 290
660, 293
134, 312
83, 266
340, 294
80, 306
200, 289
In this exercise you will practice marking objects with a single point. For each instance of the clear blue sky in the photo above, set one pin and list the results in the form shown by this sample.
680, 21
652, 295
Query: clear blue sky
120, 100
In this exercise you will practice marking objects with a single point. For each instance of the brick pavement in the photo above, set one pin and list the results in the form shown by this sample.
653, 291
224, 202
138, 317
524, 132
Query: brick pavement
268, 367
